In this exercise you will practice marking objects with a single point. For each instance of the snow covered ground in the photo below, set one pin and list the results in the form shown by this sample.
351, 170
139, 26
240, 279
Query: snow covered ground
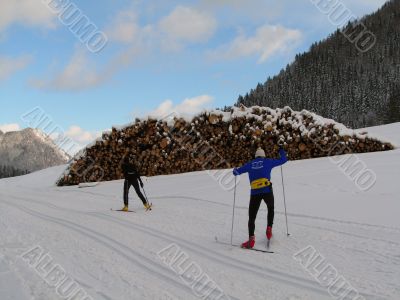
111, 255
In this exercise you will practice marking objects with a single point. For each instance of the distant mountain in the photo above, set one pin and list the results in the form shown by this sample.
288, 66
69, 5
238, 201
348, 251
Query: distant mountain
336, 80
28, 150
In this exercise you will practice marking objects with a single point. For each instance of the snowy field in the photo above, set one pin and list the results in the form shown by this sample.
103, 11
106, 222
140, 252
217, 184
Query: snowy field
110, 255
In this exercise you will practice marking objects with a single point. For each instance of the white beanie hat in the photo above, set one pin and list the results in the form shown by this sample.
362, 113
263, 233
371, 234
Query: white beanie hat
260, 153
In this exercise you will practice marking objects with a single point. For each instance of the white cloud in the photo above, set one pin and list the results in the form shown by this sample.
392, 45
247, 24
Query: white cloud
27, 12
10, 127
364, 4
81, 136
267, 9
194, 105
125, 28
81, 73
183, 26
245, 10
74, 139
189, 106
267, 41
187, 25
78, 74
9, 66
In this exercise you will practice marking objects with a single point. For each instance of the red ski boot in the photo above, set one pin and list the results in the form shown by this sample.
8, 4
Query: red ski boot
269, 232
250, 243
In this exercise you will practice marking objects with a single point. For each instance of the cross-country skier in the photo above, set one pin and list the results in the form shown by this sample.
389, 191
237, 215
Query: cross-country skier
259, 171
132, 178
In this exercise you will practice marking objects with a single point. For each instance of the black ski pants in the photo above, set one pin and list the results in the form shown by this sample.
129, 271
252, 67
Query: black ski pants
127, 186
254, 206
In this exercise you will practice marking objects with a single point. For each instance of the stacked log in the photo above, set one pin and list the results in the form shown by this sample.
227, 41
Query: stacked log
214, 140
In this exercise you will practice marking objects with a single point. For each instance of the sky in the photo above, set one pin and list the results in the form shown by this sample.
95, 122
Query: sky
140, 58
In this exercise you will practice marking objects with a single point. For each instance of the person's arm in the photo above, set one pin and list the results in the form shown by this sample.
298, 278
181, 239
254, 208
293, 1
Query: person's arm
241, 170
281, 160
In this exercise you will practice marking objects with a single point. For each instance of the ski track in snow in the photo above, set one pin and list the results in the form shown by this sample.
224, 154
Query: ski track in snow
138, 259
114, 255
208, 253
215, 257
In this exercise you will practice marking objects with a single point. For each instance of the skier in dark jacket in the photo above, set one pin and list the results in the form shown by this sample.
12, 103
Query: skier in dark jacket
132, 178
259, 171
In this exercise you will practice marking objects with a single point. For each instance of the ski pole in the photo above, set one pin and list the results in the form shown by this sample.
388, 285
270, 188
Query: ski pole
233, 212
147, 199
284, 202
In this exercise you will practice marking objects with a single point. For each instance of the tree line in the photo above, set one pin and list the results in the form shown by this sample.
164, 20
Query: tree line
9, 171
336, 80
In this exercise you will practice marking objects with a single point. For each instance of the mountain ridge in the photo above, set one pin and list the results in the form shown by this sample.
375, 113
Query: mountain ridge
29, 150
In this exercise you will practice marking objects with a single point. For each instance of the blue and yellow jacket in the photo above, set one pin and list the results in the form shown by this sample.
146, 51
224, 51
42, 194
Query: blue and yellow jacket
259, 171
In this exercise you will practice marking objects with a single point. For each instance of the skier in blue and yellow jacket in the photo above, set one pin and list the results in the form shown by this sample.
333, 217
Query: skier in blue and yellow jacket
259, 171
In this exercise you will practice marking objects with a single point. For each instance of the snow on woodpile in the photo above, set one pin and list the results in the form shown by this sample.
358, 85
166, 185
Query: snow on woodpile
215, 140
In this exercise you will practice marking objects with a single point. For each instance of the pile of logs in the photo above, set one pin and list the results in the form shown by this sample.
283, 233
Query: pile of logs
214, 140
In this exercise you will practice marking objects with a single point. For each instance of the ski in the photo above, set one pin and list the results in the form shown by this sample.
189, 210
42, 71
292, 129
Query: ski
254, 249
120, 210
88, 184
239, 246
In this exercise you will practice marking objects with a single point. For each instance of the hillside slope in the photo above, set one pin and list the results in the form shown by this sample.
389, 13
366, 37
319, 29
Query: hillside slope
114, 256
29, 150
335, 80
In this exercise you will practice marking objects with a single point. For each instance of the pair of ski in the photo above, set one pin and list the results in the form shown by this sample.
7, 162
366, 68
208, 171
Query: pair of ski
132, 211
121, 210
266, 250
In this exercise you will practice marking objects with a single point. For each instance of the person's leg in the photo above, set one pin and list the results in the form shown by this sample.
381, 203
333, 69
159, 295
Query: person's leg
269, 200
138, 192
127, 185
254, 206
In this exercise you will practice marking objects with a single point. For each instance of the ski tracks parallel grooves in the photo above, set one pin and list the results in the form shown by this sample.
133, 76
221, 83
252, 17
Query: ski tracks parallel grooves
244, 208
325, 219
272, 274
232, 262
293, 215
348, 234
397, 259
102, 240
206, 252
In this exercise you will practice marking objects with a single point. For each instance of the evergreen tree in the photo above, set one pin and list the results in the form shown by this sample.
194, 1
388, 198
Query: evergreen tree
336, 80
9, 171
